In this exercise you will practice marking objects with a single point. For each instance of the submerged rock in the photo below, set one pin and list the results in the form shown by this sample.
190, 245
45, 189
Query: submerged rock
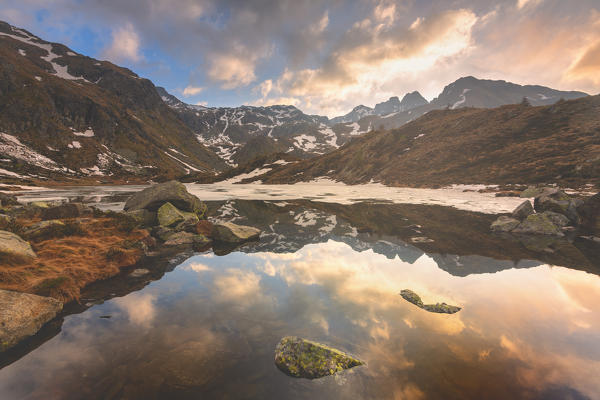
301, 358
13, 246
233, 233
180, 238
173, 192
22, 315
138, 272
504, 224
523, 210
539, 224
441, 308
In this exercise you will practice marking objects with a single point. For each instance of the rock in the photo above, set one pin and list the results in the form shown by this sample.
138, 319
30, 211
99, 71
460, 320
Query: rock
8, 200
523, 210
162, 233
204, 227
533, 191
504, 224
233, 233
301, 358
557, 201
43, 228
589, 212
538, 224
139, 272
188, 225
168, 215
173, 192
143, 217
22, 315
440, 308
180, 238
12, 245
557, 219
39, 204
67, 210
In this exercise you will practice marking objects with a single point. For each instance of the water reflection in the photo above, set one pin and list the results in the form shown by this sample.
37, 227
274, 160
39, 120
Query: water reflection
208, 329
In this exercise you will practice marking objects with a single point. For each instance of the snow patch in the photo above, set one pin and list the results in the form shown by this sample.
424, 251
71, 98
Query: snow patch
22, 52
89, 132
74, 145
12, 147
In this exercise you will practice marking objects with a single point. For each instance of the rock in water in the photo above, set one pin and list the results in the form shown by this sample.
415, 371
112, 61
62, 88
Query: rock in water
8, 200
180, 238
590, 213
231, 233
13, 246
557, 219
173, 192
169, 215
302, 358
22, 315
440, 308
504, 224
538, 224
523, 210
557, 201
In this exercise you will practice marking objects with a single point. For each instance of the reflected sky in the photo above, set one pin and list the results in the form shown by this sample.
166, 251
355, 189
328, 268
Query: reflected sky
208, 330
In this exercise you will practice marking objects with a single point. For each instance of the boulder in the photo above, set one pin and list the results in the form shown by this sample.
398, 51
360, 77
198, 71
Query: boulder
163, 233
232, 233
139, 272
533, 191
8, 200
43, 228
539, 224
589, 212
143, 217
557, 219
173, 192
22, 315
440, 308
504, 224
523, 210
301, 358
557, 201
180, 238
12, 245
168, 215
67, 210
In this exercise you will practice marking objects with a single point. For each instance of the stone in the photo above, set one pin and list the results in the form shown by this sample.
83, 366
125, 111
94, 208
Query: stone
43, 228
440, 308
557, 201
22, 315
168, 215
180, 238
301, 358
232, 233
162, 233
504, 224
143, 217
67, 210
204, 227
12, 245
523, 210
39, 204
557, 219
8, 200
173, 192
589, 212
139, 272
538, 224
533, 191
189, 224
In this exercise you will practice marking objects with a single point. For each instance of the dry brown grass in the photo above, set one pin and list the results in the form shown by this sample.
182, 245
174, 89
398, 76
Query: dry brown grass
65, 265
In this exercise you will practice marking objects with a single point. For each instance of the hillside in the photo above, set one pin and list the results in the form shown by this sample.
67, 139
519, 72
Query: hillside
68, 117
509, 144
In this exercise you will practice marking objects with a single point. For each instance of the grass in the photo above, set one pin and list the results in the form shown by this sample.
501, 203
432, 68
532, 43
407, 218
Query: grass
78, 255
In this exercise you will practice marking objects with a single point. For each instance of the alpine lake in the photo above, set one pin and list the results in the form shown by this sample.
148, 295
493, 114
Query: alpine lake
329, 267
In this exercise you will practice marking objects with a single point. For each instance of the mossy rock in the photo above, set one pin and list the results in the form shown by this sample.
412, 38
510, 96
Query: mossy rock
538, 224
301, 358
169, 215
440, 308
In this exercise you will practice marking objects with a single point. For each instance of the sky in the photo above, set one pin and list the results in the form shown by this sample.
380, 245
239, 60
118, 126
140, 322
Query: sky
325, 57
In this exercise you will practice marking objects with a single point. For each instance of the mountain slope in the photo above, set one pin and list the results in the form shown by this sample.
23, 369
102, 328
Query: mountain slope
67, 116
468, 92
509, 144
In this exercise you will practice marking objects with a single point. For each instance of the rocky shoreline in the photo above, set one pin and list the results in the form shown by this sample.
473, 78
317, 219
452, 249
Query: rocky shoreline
49, 252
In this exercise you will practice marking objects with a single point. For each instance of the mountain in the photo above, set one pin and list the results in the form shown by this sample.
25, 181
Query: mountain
465, 92
392, 105
510, 144
65, 116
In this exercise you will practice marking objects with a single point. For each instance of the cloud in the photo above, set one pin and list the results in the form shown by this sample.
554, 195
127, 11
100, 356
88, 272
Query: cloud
192, 90
231, 71
125, 46
588, 65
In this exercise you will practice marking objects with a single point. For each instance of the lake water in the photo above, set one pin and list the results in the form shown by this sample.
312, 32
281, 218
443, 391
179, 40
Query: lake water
206, 326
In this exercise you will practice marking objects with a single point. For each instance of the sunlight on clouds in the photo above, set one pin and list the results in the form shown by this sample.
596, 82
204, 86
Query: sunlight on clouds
125, 45
192, 91
139, 307
232, 71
